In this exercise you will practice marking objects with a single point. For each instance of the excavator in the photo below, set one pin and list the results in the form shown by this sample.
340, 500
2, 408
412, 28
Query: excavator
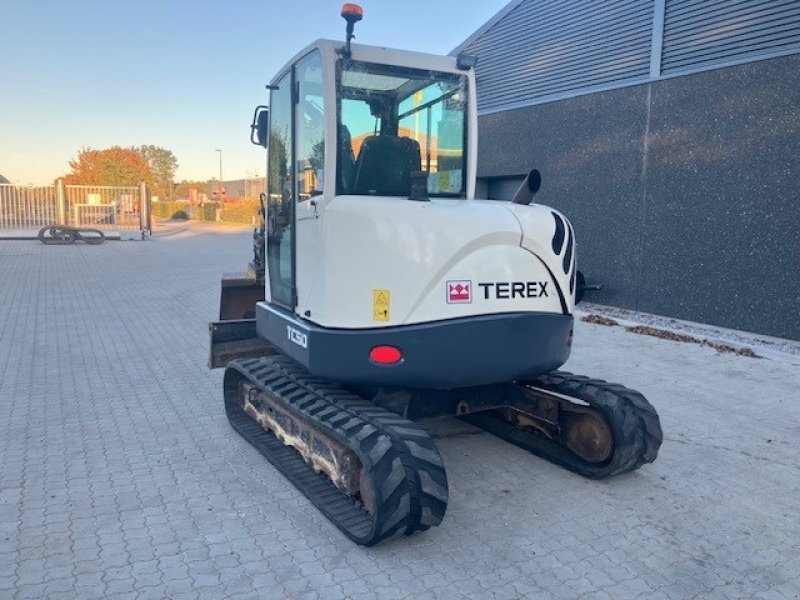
383, 294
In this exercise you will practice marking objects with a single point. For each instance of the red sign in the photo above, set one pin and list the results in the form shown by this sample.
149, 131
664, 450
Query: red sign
459, 292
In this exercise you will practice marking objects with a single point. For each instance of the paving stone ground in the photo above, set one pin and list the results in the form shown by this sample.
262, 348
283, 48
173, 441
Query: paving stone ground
121, 478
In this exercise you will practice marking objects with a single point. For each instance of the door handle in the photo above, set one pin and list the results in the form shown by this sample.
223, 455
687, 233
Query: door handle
316, 212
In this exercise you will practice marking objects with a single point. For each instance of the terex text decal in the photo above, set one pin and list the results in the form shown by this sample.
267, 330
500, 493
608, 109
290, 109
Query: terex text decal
513, 289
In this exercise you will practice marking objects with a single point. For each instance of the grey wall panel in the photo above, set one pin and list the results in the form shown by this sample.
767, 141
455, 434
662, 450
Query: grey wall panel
700, 33
721, 238
537, 51
589, 151
716, 236
542, 48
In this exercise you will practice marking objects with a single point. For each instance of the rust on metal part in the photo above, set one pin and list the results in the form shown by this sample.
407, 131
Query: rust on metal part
583, 430
588, 435
323, 454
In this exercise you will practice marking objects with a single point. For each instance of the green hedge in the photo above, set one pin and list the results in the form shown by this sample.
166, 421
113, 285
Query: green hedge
241, 210
170, 210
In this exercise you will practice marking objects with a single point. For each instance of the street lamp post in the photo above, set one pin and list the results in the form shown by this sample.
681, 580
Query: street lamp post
220, 188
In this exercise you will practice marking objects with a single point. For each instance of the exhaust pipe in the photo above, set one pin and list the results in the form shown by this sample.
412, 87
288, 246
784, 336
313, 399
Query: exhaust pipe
528, 189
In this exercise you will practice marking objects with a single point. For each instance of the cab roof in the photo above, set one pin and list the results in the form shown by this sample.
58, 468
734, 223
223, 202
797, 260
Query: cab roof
378, 55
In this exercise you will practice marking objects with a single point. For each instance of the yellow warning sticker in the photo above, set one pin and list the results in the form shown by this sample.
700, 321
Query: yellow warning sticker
380, 305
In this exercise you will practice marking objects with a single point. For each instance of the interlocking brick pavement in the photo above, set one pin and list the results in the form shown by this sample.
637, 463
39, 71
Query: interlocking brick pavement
121, 478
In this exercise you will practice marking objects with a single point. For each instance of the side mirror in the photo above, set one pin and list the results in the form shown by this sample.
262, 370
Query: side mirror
260, 127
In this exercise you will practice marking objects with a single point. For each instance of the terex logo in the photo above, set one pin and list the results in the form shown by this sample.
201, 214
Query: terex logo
296, 336
459, 291
514, 289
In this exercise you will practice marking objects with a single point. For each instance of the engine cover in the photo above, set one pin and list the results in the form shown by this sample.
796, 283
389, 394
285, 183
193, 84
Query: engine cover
385, 262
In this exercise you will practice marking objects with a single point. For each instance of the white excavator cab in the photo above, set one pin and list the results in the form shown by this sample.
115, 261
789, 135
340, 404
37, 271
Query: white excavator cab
363, 124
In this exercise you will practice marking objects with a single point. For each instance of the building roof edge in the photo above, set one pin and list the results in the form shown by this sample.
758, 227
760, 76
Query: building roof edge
486, 26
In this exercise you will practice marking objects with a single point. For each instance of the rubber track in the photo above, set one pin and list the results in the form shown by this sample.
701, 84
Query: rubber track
60, 235
634, 423
404, 466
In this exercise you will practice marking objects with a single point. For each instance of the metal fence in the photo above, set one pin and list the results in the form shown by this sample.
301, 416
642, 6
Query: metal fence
27, 207
109, 208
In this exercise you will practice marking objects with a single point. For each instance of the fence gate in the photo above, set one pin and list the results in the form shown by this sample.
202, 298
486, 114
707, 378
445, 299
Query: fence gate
117, 211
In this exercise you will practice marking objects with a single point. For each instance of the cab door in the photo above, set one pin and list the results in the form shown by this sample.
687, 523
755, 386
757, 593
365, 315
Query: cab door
309, 176
281, 196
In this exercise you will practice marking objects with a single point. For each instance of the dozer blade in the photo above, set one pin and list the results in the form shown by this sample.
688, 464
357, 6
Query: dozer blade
239, 294
374, 474
589, 426
235, 339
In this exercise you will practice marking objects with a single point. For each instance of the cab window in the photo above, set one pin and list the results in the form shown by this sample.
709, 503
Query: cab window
310, 126
394, 121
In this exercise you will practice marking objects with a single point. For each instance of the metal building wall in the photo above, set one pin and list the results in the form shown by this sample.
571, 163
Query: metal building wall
708, 33
544, 48
682, 189
537, 51
683, 193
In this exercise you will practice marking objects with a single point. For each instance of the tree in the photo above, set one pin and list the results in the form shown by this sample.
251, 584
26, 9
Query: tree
162, 163
112, 166
125, 167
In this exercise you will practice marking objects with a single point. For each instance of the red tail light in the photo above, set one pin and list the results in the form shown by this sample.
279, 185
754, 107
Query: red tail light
386, 355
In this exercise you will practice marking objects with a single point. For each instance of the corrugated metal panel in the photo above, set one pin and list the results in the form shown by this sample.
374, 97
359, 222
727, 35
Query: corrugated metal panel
546, 48
706, 33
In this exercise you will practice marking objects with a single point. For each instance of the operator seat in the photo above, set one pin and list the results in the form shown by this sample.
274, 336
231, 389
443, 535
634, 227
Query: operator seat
384, 166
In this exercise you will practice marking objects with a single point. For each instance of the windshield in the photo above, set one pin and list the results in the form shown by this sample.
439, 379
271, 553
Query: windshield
393, 121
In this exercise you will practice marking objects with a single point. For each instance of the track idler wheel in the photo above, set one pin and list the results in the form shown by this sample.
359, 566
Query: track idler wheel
589, 436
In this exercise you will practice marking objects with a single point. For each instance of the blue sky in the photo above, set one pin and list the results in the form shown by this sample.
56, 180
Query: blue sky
178, 74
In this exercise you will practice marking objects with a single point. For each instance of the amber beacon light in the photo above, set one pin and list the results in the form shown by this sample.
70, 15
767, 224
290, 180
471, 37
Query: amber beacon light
352, 13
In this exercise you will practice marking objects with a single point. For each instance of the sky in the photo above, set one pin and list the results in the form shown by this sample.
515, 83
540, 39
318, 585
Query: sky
182, 75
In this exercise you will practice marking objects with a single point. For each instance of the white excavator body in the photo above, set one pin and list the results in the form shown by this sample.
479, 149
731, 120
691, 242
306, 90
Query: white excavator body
383, 292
